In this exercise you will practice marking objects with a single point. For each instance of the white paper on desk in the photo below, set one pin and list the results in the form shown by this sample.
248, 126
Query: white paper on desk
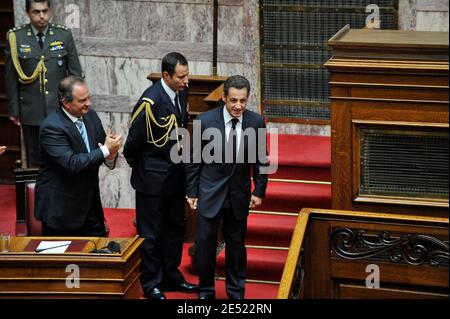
53, 247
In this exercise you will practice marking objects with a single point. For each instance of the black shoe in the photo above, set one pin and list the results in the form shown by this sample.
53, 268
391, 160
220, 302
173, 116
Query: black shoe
155, 293
208, 296
183, 287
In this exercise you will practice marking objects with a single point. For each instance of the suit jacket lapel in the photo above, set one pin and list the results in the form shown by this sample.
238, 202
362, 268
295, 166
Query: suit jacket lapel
245, 125
73, 131
90, 132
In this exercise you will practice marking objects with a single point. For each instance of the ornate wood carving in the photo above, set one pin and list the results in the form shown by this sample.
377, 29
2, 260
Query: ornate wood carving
413, 249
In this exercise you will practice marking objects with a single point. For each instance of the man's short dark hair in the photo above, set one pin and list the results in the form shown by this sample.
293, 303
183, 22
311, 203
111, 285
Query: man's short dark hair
171, 60
29, 3
237, 82
65, 88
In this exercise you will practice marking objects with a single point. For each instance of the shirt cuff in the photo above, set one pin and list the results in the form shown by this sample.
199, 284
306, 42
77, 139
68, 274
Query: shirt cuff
105, 151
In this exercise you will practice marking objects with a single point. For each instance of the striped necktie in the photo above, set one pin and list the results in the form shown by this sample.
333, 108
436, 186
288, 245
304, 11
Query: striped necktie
80, 125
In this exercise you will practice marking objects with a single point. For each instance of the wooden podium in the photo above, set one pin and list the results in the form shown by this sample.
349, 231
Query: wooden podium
27, 274
389, 121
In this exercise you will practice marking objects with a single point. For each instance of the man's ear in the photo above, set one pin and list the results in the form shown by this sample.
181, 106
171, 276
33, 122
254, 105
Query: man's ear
224, 98
165, 75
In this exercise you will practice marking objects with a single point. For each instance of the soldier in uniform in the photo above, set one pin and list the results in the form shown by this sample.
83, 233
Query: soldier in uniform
160, 181
38, 56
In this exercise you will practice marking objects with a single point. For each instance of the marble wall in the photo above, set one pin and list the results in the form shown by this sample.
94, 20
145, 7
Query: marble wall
121, 41
423, 15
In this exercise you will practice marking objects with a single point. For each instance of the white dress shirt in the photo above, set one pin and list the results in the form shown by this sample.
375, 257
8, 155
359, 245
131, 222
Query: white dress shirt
228, 125
171, 93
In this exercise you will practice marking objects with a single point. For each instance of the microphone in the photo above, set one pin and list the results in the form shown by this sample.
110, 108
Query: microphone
113, 247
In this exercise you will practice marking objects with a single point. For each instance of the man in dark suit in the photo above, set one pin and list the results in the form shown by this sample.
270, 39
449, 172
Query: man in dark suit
67, 187
220, 186
38, 56
158, 179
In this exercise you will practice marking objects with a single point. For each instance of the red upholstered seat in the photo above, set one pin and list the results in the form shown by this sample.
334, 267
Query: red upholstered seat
34, 225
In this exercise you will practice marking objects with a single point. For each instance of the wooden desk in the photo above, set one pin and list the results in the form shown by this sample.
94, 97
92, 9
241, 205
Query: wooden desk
26, 274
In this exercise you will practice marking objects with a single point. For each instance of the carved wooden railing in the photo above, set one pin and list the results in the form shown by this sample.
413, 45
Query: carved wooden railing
344, 254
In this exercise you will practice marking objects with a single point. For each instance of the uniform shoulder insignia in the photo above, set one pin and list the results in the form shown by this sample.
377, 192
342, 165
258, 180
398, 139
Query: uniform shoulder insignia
61, 26
17, 28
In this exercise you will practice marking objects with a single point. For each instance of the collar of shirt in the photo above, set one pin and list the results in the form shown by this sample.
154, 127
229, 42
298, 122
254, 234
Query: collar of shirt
35, 31
71, 117
171, 93
227, 118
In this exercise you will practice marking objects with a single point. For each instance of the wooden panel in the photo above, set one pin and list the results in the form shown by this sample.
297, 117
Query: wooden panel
318, 281
24, 274
412, 94
425, 79
338, 246
392, 273
6, 5
385, 76
360, 291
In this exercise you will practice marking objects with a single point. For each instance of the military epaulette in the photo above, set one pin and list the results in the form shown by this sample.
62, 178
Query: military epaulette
60, 26
17, 28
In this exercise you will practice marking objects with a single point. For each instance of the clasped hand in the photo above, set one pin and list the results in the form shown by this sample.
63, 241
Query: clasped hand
113, 142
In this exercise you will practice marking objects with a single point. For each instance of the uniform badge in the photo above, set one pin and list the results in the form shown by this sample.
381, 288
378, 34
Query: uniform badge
25, 48
60, 63
57, 46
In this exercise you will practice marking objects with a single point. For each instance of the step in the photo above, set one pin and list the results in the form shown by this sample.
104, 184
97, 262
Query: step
262, 264
299, 173
270, 230
292, 197
253, 290
303, 150
302, 157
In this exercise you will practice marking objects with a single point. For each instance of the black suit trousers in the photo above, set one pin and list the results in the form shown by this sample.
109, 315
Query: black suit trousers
234, 232
160, 221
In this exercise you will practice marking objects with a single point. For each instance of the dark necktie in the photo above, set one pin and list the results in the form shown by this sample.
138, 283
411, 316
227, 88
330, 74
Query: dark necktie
177, 105
232, 138
41, 39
